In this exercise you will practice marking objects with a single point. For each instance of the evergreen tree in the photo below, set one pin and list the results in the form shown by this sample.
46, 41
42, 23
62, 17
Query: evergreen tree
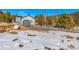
40, 19
65, 21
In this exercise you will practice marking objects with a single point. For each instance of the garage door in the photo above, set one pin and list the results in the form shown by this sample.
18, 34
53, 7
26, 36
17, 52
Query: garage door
26, 23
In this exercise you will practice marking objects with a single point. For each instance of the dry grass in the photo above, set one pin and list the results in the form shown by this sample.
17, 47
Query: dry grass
2, 30
5, 27
71, 46
23, 28
8, 27
13, 32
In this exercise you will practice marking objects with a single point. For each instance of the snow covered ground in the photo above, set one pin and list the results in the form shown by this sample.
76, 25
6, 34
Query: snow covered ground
39, 40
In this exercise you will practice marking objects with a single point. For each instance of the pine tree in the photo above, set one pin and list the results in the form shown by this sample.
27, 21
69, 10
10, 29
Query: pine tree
65, 21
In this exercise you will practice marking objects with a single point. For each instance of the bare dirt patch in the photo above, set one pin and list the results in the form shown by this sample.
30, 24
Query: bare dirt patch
71, 46
68, 36
77, 38
47, 48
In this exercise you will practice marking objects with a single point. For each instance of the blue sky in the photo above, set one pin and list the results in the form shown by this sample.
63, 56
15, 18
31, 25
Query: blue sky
34, 12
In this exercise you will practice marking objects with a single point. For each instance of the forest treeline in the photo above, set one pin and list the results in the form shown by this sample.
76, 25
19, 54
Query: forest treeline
7, 17
66, 21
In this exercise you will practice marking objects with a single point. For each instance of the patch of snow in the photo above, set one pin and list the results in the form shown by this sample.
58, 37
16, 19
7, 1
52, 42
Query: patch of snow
50, 39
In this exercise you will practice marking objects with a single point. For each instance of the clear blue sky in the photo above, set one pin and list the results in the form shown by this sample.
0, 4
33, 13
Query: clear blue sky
34, 12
